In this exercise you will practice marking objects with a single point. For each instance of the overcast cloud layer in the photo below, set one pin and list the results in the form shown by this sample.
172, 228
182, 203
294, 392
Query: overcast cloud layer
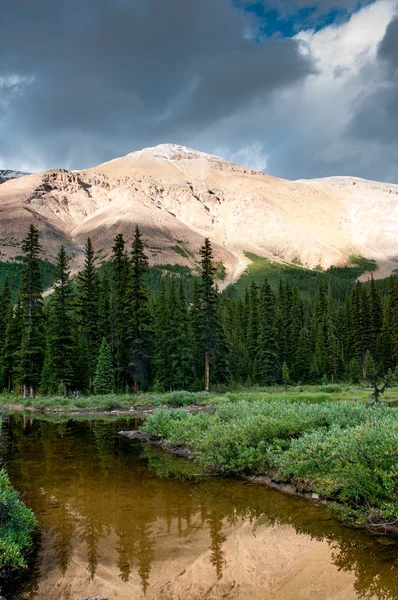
91, 80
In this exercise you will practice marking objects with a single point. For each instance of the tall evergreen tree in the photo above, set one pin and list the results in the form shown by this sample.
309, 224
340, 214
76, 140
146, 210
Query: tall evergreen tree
121, 275
180, 368
104, 382
212, 340
58, 369
89, 314
138, 316
32, 351
6, 313
12, 346
267, 362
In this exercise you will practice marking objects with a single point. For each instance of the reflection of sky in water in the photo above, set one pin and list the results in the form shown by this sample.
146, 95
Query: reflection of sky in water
106, 502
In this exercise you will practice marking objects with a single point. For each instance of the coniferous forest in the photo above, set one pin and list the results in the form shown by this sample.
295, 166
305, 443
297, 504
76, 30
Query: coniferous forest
103, 331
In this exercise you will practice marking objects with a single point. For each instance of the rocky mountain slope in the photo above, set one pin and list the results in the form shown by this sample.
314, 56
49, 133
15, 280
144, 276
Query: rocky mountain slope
178, 196
7, 174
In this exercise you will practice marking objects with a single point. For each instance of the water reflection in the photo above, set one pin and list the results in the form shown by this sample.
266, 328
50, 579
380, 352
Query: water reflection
102, 501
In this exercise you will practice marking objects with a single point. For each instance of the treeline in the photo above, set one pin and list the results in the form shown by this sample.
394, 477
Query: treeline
103, 333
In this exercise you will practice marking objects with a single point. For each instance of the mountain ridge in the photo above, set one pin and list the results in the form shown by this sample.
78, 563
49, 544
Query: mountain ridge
178, 196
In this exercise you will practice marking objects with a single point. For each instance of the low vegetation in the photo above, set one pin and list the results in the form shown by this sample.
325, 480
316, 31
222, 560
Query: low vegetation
16, 525
343, 451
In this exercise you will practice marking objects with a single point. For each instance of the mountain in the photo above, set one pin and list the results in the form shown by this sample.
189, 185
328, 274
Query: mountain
7, 174
178, 196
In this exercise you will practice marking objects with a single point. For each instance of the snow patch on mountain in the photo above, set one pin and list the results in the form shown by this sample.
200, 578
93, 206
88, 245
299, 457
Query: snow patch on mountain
176, 152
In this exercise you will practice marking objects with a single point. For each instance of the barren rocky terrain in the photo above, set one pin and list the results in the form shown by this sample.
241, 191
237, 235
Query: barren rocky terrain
178, 196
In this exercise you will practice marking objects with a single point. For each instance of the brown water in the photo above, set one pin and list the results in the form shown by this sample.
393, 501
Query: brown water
128, 523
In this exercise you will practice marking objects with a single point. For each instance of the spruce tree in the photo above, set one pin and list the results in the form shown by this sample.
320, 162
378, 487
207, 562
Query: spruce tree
212, 339
370, 371
104, 382
89, 314
376, 316
355, 373
302, 357
31, 356
121, 273
12, 346
161, 342
58, 370
138, 316
180, 356
285, 375
6, 313
267, 361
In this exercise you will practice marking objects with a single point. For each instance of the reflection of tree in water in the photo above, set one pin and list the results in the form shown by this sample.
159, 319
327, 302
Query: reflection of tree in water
91, 530
63, 533
217, 540
69, 465
105, 435
145, 553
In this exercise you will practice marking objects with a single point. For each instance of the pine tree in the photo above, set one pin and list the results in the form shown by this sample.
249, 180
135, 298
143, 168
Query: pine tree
267, 362
376, 316
12, 346
89, 316
138, 316
6, 313
369, 367
180, 357
303, 357
212, 339
58, 369
252, 325
104, 307
32, 351
285, 375
355, 372
161, 342
104, 382
121, 274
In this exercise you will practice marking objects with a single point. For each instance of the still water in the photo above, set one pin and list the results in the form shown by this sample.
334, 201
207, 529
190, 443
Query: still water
127, 522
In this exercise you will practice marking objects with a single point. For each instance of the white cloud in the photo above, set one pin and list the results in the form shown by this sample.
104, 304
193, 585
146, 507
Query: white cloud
318, 113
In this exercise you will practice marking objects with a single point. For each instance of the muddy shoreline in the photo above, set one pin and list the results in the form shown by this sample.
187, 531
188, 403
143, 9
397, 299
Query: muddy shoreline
269, 478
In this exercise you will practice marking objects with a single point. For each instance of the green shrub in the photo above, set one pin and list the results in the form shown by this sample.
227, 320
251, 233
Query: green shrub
341, 450
181, 398
330, 388
359, 469
16, 525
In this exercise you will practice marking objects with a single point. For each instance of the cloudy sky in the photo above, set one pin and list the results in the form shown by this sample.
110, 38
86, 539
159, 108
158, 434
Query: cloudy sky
292, 87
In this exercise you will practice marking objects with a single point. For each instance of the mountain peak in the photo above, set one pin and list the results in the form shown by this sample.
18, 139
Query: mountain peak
176, 152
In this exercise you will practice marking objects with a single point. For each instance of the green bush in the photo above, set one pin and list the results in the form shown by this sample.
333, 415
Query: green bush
359, 469
16, 525
181, 398
330, 388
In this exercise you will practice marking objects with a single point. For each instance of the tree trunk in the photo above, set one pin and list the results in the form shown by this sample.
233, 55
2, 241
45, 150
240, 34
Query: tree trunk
136, 386
25, 391
207, 373
31, 392
9, 383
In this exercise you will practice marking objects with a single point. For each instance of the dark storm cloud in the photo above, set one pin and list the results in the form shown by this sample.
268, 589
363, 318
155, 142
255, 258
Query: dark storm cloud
388, 49
103, 78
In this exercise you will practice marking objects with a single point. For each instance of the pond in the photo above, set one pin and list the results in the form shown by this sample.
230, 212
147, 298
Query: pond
123, 521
